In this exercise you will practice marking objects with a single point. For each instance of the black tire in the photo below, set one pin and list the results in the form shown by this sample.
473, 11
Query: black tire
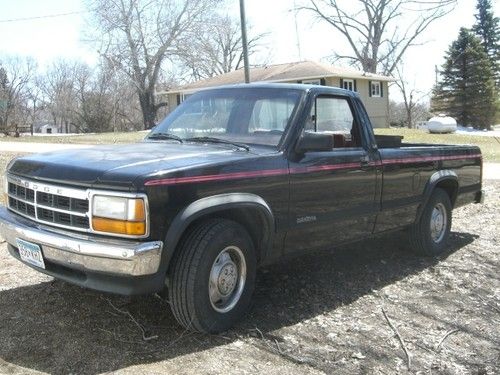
423, 239
193, 266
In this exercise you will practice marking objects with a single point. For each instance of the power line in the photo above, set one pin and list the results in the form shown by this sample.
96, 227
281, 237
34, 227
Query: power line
41, 17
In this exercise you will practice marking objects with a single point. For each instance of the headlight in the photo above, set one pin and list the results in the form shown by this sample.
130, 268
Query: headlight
121, 215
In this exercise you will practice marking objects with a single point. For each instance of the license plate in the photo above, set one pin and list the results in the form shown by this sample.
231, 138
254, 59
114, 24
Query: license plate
30, 253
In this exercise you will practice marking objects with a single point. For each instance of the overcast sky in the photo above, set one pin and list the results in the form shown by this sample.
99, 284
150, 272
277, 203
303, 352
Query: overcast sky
50, 37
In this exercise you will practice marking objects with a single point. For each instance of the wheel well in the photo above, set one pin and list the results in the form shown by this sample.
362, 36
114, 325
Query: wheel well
252, 219
450, 186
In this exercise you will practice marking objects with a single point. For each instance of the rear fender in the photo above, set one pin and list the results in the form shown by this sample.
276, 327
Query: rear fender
439, 177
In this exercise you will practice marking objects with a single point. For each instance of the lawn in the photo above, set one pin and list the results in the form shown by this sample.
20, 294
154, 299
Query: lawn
490, 146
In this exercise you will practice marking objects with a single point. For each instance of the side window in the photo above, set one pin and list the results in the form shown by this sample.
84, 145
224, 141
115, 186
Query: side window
333, 115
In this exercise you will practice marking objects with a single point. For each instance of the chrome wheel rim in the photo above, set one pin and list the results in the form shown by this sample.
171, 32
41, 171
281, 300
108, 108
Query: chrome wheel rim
438, 223
227, 279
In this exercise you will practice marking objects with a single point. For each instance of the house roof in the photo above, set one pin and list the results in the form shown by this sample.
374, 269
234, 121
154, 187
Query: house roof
302, 70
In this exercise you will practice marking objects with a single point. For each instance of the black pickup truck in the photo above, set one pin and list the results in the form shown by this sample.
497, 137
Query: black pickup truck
235, 178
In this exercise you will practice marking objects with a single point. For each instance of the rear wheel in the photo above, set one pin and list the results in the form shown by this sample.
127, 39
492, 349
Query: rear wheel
429, 235
212, 276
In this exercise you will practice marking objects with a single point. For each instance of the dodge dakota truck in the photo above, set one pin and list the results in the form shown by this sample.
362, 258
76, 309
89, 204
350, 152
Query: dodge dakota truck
235, 178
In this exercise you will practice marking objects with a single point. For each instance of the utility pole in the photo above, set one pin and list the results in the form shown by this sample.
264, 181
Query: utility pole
244, 40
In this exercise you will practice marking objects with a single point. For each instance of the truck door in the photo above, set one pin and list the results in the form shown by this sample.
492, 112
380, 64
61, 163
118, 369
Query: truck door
333, 194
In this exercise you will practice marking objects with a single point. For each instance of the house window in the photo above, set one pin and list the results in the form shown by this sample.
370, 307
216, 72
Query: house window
348, 84
375, 89
312, 82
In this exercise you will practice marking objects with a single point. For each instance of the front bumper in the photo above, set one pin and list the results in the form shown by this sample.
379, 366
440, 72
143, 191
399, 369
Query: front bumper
83, 254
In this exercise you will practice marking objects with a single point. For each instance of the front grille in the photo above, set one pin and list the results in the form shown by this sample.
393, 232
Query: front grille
48, 204
62, 203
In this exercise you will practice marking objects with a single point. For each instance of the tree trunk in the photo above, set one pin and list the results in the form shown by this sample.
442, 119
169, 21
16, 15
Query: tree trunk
409, 118
148, 109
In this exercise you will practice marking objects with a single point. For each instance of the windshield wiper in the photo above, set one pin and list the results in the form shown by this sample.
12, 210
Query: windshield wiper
161, 135
217, 140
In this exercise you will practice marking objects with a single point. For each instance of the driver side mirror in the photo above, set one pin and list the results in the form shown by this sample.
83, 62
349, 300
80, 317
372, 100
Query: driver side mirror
314, 142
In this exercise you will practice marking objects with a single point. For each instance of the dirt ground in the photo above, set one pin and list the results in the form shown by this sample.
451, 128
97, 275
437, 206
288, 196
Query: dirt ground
321, 313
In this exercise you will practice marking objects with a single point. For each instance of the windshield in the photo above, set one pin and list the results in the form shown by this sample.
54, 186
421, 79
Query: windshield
250, 116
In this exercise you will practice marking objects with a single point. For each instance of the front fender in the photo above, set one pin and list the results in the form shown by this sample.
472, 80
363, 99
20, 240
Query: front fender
213, 204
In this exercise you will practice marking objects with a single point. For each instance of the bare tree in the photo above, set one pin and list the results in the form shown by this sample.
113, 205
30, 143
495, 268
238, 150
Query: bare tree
93, 111
126, 106
15, 75
122, 98
218, 48
414, 109
398, 114
58, 87
88, 99
35, 102
379, 31
137, 36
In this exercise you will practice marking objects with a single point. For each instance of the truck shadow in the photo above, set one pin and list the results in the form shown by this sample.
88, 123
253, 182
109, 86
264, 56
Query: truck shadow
59, 328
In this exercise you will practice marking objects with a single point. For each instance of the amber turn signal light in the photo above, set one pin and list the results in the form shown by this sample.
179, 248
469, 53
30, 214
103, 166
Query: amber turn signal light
131, 228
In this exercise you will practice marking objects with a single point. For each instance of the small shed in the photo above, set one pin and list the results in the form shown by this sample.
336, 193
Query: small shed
48, 129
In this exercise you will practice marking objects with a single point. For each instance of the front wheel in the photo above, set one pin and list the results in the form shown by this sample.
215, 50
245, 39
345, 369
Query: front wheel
429, 235
212, 276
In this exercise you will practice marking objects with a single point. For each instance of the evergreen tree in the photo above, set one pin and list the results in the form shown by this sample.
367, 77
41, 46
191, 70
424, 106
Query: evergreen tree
487, 28
466, 90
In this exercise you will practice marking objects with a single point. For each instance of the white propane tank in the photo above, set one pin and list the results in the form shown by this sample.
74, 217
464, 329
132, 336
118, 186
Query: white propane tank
442, 124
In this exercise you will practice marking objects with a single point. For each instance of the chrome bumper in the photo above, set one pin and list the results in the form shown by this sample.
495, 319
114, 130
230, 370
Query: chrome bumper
82, 252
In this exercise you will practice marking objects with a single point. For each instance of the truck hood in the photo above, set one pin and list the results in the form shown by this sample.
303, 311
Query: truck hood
118, 166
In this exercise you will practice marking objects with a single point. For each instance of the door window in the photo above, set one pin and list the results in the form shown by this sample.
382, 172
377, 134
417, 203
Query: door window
333, 115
